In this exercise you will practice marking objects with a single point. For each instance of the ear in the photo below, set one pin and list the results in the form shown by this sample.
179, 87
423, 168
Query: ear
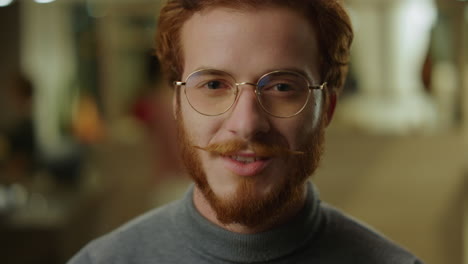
175, 104
330, 106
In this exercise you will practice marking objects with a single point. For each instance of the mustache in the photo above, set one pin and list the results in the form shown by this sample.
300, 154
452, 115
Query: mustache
260, 149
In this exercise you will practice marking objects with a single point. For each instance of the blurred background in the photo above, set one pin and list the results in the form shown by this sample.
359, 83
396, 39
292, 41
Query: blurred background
87, 139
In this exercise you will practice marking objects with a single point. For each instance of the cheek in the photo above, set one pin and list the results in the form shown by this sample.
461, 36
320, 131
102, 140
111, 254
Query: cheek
298, 130
200, 129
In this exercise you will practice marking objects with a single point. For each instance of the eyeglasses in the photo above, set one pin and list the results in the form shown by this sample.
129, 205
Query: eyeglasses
280, 93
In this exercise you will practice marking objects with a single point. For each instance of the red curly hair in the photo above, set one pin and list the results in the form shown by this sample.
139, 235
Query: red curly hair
329, 18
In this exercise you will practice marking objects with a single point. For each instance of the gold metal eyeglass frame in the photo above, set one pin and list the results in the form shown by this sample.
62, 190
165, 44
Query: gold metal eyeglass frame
257, 92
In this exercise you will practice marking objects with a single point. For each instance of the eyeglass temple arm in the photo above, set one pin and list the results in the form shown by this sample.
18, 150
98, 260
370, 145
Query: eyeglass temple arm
179, 83
318, 87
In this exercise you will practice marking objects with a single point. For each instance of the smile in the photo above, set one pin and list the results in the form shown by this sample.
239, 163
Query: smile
245, 165
245, 159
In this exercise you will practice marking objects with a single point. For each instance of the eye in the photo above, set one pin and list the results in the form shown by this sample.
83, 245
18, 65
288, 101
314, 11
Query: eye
213, 85
282, 87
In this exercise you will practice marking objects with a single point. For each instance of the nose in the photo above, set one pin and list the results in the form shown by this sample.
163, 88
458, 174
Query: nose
246, 118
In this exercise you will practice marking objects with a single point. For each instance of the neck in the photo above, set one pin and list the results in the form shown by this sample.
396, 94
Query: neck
204, 208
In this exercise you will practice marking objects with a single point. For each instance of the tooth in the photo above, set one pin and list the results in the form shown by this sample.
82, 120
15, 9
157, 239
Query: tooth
244, 159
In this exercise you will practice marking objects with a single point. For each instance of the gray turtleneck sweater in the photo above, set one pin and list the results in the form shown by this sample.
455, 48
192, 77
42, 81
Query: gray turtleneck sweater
177, 233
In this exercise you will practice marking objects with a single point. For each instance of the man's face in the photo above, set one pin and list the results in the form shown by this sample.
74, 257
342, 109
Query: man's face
248, 44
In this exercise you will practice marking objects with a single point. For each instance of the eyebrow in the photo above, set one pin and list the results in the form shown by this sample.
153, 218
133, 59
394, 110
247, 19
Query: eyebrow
210, 68
293, 69
296, 70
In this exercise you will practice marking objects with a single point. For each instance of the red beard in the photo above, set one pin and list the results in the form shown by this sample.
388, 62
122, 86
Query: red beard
245, 207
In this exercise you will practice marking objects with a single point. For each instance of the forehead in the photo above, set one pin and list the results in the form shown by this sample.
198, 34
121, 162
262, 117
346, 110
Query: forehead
246, 42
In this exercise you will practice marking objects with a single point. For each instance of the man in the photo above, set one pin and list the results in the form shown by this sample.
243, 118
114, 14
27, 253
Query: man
255, 84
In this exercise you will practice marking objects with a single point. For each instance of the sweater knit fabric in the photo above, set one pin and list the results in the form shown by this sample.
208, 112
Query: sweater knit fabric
177, 233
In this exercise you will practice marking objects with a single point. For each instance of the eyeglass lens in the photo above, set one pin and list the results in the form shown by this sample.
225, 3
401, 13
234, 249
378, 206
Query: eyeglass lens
213, 92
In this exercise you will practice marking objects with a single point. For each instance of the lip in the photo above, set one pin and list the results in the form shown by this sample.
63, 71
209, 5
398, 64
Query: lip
245, 169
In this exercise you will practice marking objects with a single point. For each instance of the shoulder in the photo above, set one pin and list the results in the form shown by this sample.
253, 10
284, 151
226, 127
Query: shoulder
140, 239
357, 242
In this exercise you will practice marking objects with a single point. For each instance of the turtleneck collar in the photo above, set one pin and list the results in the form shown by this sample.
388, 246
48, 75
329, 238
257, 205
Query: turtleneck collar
207, 238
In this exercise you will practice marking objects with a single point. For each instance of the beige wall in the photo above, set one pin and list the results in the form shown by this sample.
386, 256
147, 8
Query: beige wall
410, 188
